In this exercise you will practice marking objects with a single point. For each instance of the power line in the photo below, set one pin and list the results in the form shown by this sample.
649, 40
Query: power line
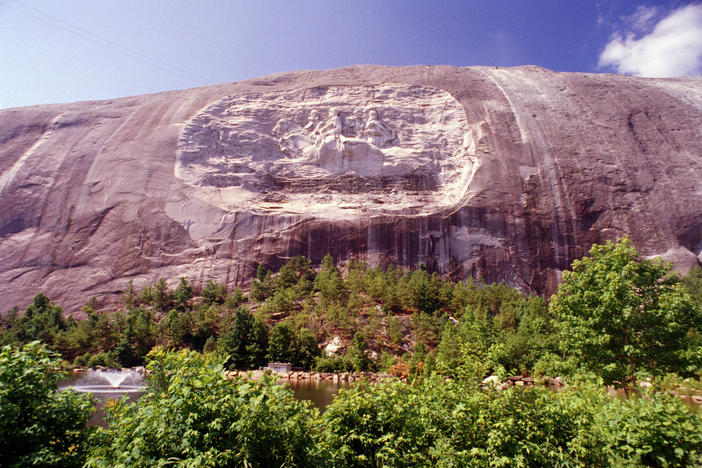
96, 38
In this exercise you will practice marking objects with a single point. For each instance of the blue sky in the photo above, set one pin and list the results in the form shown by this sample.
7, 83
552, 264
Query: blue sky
71, 50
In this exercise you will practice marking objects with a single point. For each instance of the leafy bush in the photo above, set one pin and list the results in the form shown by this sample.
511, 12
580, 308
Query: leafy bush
213, 293
192, 415
333, 364
650, 430
39, 425
280, 342
441, 423
305, 350
103, 359
357, 354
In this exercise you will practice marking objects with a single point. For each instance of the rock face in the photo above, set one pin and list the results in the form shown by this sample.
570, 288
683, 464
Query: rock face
503, 174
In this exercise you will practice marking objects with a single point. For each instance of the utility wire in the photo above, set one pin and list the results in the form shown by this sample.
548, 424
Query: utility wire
96, 38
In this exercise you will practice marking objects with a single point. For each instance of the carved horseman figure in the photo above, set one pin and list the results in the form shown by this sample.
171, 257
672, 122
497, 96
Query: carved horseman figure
333, 125
377, 132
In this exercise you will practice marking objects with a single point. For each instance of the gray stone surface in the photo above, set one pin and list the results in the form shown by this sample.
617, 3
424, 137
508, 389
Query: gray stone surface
503, 174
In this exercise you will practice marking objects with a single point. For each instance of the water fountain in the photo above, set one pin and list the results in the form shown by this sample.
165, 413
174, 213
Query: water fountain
110, 381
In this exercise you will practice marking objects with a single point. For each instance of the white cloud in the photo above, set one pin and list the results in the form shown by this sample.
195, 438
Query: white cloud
673, 47
642, 19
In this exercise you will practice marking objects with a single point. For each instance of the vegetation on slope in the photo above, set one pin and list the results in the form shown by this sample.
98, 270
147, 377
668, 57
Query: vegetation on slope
381, 317
615, 314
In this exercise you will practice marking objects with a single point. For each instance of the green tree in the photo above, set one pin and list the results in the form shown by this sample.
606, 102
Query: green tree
263, 286
178, 327
245, 342
130, 297
395, 331
693, 282
280, 342
124, 351
329, 283
205, 325
8, 327
619, 314
147, 295
357, 354
183, 294
162, 296
214, 293
260, 272
297, 268
306, 349
257, 348
210, 345
235, 299
39, 425
41, 321
448, 352
426, 298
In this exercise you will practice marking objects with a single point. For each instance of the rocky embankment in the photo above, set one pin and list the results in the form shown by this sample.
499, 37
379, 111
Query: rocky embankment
494, 381
315, 376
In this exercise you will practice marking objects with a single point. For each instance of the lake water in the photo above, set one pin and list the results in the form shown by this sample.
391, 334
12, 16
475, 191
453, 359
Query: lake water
319, 392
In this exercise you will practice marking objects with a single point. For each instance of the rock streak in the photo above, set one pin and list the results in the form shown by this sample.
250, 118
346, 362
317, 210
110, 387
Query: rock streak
502, 174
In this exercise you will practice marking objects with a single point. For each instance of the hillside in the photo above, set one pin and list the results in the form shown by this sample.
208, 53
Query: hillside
501, 174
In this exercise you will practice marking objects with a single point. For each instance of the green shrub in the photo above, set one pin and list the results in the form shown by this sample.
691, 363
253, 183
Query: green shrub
280, 342
104, 359
357, 354
387, 360
82, 360
39, 425
210, 345
651, 430
306, 349
191, 415
440, 423
333, 364
245, 343
443, 423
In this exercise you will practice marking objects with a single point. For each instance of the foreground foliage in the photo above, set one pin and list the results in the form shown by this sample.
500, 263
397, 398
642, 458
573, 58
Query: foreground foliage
443, 423
39, 425
191, 415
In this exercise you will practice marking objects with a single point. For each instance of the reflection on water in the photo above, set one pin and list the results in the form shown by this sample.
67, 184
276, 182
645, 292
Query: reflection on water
319, 392
101, 399
102, 396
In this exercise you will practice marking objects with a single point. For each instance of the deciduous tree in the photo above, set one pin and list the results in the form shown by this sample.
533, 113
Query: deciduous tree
619, 314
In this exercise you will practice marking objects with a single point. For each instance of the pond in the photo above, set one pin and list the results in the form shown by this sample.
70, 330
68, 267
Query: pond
319, 392
112, 385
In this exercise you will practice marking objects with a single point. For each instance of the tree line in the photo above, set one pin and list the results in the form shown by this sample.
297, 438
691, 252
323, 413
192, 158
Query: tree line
615, 314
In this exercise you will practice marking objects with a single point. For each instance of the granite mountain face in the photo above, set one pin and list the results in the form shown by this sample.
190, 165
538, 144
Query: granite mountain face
502, 174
